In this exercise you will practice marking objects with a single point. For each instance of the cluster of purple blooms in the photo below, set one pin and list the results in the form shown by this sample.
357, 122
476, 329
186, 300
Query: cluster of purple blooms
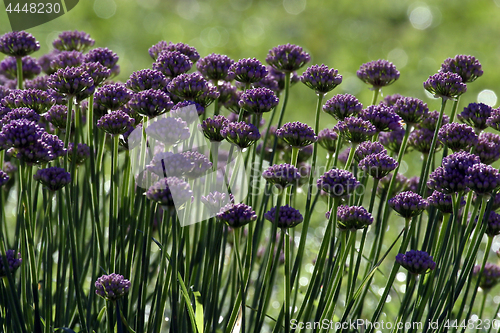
112, 287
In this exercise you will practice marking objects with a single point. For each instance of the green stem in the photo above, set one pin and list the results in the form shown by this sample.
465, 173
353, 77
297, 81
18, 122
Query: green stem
68, 128
241, 274
351, 156
109, 317
286, 236
19, 70
376, 92
454, 111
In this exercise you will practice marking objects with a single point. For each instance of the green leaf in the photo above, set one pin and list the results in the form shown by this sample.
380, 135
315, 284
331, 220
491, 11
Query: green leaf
64, 329
199, 311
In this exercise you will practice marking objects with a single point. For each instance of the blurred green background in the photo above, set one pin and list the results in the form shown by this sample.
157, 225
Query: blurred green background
416, 35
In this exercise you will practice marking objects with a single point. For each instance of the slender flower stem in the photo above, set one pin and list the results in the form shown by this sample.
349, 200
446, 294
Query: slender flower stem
113, 211
376, 92
68, 128
337, 151
109, 317
454, 112
351, 156
19, 70
241, 274
288, 287
423, 181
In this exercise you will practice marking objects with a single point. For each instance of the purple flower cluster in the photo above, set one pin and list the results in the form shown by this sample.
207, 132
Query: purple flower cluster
4, 178
287, 58
105, 57
342, 106
383, 186
201, 164
70, 81
327, 138
57, 116
451, 176
488, 147
382, 117
169, 130
168, 164
212, 127
241, 134
258, 100
150, 103
493, 227
170, 192
443, 202
390, 100
494, 120
416, 262
97, 72
112, 287
20, 113
475, 115
408, 204
66, 59
446, 85
281, 175
146, 79
297, 134
457, 136
353, 218
82, 153
38, 100
468, 67
18, 44
13, 261
73, 41
482, 178
355, 130
378, 165
430, 121
392, 140
378, 73
367, 148
288, 217
172, 63
115, 123
214, 201
31, 68
248, 70
490, 276
421, 140
111, 97
411, 110
237, 215
338, 183
185, 49
215, 67
321, 78
188, 86
53, 178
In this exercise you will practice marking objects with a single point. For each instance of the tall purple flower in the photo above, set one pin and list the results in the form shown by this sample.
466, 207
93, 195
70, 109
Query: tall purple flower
258, 100
378, 165
111, 97
416, 262
297, 134
44, 62
53, 178
482, 178
237, 215
20, 113
281, 175
392, 140
115, 123
475, 115
201, 164
321, 78
457, 136
383, 186
430, 121
342, 106
288, 217
280, 76
31, 68
207, 97
187, 111
382, 117
185, 49
97, 72
390, 100
215, 67
73, 41
150, 103
241, 134
212, 127
82, 152
410, 109
105, 57
443, 202
338, 183
488, 147
355, 130
493, 227
112, 287
19, 134
327, 138
367, 148
421, 140
172, 63
66, 59
70, 81
18, 43
378, 73
445, 85
287, 58
353, 218
4, 178
57, 116
214, 201
468, 67
408, 204
170, 192
490, 276
13, 261
451, 176
188, 86
248, 70
35, 99
146, 79
494, 119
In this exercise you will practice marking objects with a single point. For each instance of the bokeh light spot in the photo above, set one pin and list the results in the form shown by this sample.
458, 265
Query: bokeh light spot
294, 7
105, 9
398, 57
487, 97
421, 17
